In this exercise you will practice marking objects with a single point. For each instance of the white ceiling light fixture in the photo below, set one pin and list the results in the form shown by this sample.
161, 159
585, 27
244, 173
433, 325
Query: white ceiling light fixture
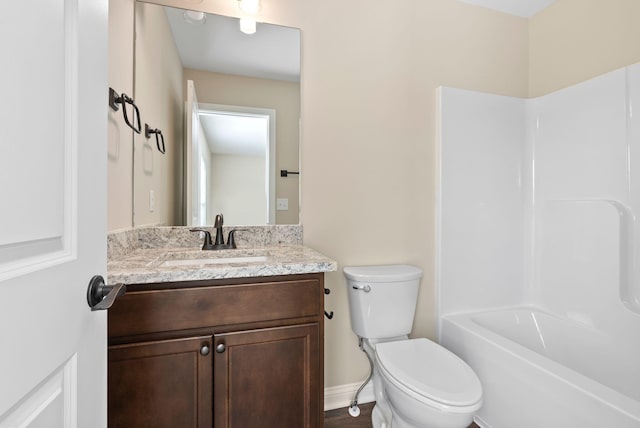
249, 6
194, 17
248, 25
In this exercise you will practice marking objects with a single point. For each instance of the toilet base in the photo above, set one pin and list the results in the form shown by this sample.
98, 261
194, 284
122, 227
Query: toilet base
377, 419
407, 412
396, 409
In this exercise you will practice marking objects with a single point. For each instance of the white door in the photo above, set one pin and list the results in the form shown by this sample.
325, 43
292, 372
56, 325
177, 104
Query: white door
192, 159
52, 212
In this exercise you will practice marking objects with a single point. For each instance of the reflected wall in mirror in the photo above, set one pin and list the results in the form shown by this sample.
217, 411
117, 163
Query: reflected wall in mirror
236, 80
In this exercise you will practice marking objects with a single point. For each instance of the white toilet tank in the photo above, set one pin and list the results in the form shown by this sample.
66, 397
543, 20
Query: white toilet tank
382, 299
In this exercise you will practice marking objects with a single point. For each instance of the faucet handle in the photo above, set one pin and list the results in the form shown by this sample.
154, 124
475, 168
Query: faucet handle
231, 239
207, 238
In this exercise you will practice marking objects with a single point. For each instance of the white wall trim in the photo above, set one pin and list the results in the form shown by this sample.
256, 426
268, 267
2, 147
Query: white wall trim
336, 397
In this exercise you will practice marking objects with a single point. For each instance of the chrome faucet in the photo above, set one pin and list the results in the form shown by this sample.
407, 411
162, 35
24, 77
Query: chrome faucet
219, 242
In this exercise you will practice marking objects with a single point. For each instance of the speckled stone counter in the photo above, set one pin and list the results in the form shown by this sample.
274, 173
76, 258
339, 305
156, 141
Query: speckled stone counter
151, 255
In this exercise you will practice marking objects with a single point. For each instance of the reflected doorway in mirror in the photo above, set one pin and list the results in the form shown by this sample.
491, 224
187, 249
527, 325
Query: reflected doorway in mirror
232, 166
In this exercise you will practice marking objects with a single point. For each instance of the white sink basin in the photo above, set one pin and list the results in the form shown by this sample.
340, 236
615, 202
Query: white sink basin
213, 261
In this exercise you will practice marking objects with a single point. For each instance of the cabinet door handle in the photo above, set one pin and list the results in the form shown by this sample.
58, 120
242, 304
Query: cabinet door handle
204, 350
220, 348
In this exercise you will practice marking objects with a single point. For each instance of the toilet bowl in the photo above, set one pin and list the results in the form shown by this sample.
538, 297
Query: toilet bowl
417, 383
427, 385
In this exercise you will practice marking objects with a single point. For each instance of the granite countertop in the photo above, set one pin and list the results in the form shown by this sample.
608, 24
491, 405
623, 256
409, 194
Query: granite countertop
153, 265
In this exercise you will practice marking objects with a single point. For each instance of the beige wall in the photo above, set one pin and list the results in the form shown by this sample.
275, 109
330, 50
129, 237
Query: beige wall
158, 93
284, 98
368, 153
368, 157
575, 40
120, 136
237, 188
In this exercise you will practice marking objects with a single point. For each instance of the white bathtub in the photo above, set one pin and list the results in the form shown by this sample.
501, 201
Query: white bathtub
541, 371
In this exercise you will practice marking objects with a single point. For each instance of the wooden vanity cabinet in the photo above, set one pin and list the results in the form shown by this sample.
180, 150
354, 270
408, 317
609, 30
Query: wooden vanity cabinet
267, 378
163, 384
236, 353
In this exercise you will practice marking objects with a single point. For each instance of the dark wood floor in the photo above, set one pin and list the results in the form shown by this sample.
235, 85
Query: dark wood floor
340, 418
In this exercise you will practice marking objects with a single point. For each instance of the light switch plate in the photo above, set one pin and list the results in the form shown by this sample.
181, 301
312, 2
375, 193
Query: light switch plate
282, 204
152, 201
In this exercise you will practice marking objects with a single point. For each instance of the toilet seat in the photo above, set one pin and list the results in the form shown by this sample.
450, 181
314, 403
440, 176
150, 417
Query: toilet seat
431, 374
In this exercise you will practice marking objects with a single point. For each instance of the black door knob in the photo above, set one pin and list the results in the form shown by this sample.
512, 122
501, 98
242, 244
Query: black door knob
101, 296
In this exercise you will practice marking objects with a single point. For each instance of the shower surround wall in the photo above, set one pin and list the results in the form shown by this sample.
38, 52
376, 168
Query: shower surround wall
539, 200
539, 206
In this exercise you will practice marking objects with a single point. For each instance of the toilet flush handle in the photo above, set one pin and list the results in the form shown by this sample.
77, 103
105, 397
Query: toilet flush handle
366, 287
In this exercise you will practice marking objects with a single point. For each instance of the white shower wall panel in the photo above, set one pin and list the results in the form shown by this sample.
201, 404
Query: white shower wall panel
582, 192
539, 201
580, 141
578, 262
630, 292
481, 200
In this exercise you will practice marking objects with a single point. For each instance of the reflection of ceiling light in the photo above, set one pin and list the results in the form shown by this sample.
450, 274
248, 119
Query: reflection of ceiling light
194, 17
249, 6
247, 25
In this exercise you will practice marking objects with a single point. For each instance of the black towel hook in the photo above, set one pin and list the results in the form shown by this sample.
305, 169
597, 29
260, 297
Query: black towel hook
115, 99
285, 173
329, 315
159, 140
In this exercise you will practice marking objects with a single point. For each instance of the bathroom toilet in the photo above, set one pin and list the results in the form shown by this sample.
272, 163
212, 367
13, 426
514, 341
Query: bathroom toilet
417, 383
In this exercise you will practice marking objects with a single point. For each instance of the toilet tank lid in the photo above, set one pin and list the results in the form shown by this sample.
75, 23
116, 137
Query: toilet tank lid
382, 273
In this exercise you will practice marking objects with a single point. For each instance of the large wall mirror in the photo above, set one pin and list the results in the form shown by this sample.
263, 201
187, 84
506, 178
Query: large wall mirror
228, 106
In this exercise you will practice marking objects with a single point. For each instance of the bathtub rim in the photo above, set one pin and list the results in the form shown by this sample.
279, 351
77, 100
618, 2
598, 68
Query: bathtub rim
596, 390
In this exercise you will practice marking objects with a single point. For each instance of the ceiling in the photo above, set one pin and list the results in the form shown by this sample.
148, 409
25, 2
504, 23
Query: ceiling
236, 134
273, 52
523, 8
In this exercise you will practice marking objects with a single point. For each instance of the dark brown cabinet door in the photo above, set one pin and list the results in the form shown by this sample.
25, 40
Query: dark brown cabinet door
267, 378
161, 384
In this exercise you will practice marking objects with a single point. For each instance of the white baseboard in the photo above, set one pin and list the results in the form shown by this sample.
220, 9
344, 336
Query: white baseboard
480, 422
336, 397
